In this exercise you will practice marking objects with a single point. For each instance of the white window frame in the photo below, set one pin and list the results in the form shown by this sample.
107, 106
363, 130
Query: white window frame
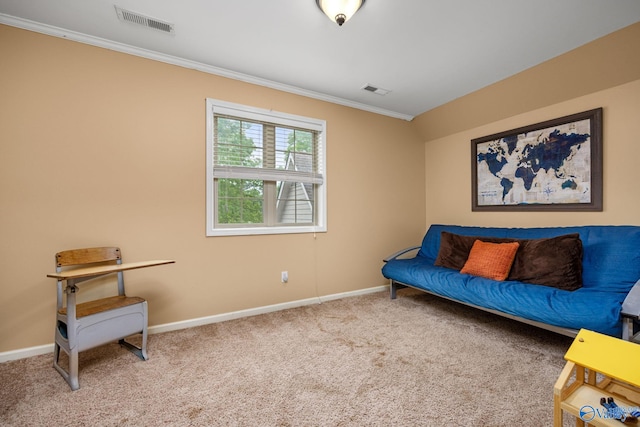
213, 107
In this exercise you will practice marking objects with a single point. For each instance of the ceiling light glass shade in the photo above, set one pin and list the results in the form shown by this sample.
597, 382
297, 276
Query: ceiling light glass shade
339, 11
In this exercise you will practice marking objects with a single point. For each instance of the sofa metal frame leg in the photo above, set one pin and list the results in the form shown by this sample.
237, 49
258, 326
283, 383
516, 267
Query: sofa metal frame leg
628, 329
393, 288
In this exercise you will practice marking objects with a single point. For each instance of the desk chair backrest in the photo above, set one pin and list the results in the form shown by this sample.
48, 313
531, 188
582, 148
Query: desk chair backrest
85, 256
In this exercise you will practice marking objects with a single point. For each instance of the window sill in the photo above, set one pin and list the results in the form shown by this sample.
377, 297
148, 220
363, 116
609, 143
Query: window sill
251, 231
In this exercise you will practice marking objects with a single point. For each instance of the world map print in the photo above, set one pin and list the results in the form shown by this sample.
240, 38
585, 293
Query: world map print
545, 166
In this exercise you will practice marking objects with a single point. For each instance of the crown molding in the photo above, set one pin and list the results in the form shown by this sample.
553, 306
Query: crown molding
50, 30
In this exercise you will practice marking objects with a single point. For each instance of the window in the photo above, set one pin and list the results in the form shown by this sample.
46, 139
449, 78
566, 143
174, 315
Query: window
265, 171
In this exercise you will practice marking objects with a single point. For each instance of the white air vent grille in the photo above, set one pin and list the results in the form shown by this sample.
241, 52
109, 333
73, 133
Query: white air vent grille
146, 21
376, 90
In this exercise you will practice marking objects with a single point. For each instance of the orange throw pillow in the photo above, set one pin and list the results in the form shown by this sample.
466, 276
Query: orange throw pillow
490, 260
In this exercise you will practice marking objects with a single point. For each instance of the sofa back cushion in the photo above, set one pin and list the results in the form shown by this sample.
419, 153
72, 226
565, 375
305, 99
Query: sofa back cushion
611, 253
551, 261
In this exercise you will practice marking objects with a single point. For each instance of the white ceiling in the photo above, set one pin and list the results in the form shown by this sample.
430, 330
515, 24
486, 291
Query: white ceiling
426, 52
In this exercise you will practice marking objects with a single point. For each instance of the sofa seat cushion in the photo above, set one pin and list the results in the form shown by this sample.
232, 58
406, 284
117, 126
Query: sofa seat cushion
583, 308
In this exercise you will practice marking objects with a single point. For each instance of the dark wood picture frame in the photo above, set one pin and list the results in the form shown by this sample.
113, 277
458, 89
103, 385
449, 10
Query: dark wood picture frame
551, 141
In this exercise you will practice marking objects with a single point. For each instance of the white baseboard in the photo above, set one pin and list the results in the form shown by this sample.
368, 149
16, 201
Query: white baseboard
23, 353
258, 310
175, 326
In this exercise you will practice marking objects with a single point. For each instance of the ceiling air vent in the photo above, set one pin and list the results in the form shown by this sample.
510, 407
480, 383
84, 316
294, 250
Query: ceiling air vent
146, 21
375, 90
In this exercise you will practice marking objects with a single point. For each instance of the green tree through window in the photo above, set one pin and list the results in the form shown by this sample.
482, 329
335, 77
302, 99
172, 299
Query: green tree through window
240, 201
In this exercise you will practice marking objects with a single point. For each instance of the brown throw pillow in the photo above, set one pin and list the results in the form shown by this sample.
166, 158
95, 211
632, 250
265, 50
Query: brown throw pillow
490, 260
454, 249
556, 261
553, 261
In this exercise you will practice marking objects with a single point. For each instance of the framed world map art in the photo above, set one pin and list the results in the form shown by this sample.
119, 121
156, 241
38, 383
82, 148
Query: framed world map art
550, 166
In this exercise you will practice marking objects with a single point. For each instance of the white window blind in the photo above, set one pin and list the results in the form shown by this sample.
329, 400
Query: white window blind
270, 162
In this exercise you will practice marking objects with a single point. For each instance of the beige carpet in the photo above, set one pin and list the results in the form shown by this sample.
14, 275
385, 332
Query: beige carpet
360, 361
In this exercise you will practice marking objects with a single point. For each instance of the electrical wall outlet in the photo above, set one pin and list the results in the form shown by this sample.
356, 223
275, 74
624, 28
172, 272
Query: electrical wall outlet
284, 276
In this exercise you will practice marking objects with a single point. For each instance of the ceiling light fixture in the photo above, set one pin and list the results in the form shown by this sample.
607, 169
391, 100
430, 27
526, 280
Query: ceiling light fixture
339, 11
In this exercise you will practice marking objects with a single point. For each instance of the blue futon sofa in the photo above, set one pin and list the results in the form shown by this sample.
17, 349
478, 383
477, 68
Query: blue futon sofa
601, 291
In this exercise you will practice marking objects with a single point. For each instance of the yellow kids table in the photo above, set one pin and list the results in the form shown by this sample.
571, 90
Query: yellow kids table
597, 366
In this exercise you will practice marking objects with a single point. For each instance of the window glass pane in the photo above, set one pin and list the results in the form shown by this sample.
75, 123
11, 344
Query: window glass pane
238, 143
302, 141
291, 144
295, 204
240, 201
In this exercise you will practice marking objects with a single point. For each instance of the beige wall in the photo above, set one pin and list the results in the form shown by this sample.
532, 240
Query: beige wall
102, 148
